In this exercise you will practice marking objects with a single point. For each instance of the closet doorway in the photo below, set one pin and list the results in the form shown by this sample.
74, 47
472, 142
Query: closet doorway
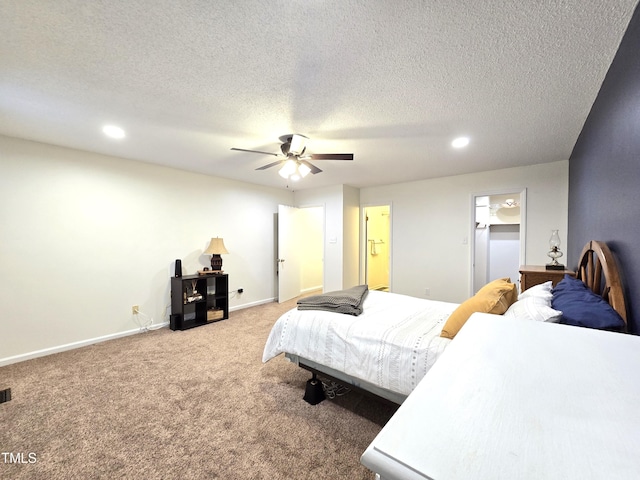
377, 247
498, 237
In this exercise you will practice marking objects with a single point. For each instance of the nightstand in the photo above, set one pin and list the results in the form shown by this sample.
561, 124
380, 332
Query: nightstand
531, 275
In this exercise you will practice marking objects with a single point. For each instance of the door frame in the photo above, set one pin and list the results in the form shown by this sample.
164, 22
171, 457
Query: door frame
522, 191
364, 241
277, 253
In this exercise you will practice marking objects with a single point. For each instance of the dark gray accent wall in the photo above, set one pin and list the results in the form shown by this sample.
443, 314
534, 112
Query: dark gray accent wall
604, 171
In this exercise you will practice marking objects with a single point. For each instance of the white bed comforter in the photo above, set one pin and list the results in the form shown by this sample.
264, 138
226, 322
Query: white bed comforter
392, 344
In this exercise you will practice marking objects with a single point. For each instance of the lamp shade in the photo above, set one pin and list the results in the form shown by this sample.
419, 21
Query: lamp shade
287, 169
298, 144
303, 170
216, 247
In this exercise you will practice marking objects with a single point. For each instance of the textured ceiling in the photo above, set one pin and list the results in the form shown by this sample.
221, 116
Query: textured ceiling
391, 82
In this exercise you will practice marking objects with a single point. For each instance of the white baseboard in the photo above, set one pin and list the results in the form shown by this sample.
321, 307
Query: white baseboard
311, 289
252, 304
83, 343
71, 346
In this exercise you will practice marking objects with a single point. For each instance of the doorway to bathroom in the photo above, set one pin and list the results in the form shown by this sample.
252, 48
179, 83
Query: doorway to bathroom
377, 247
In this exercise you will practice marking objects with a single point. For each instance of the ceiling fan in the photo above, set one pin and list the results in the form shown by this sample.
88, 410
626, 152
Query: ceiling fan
295, 162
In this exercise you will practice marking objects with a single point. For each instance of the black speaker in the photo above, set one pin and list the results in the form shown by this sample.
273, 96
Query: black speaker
313, 393
178, 267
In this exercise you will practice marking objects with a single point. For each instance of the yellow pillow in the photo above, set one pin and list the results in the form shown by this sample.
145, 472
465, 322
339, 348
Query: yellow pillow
495, 297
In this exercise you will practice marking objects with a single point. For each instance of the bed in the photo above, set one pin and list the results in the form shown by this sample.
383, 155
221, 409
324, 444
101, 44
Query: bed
373, 351
519, 400
389, 348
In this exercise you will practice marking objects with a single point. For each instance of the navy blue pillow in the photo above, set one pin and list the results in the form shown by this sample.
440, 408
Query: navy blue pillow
582, 307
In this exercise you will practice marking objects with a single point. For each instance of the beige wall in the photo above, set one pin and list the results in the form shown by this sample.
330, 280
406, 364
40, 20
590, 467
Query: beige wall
85, 237
432, 224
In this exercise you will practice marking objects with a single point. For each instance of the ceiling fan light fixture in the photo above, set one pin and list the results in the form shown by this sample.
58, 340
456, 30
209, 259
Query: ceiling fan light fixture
293, 160
294, 170
303, 170
297, 145
287, 169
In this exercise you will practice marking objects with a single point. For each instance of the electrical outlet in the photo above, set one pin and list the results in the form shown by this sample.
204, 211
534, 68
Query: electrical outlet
135, 309
240, 290
427, 292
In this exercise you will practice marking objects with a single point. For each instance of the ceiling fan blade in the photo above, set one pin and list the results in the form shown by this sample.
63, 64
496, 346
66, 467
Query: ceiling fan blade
272, 164
256, 151
313, 168
332, 156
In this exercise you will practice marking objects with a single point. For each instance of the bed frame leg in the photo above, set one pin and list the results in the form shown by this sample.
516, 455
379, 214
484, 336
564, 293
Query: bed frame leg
313, 393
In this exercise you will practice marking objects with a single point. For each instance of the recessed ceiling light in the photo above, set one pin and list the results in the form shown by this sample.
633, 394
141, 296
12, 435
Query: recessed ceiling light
113, 131
460, 142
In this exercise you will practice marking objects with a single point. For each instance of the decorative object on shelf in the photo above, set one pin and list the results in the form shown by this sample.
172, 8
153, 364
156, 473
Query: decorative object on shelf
215, 249
554, 252
192, 295
178, 268
214, 314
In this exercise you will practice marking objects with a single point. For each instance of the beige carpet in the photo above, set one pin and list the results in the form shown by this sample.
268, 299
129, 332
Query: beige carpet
197, 404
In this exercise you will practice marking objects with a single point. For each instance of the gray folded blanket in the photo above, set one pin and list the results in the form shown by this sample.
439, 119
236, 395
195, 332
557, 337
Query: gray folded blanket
348, 301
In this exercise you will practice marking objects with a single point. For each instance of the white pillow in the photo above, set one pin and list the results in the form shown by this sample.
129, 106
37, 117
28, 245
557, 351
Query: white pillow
533, 308
542, 290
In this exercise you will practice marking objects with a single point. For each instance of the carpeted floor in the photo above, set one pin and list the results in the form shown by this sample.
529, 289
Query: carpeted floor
197, 404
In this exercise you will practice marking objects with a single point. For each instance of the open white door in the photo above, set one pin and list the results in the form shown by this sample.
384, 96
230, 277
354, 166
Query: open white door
289, 261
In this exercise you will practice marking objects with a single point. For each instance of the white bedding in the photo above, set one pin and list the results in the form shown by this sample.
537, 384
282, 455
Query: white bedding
392, 344
519, 400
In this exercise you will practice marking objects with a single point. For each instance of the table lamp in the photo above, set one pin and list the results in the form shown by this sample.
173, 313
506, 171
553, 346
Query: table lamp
215, 248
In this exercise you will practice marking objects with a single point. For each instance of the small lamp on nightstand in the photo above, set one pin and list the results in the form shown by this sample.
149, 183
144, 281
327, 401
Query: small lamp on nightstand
554, 252
215, 248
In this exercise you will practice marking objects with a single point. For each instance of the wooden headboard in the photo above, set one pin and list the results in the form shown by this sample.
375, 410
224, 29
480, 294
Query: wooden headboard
599, 271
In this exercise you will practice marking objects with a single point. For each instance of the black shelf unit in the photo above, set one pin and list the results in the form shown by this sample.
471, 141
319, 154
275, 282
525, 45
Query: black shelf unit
198, 300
